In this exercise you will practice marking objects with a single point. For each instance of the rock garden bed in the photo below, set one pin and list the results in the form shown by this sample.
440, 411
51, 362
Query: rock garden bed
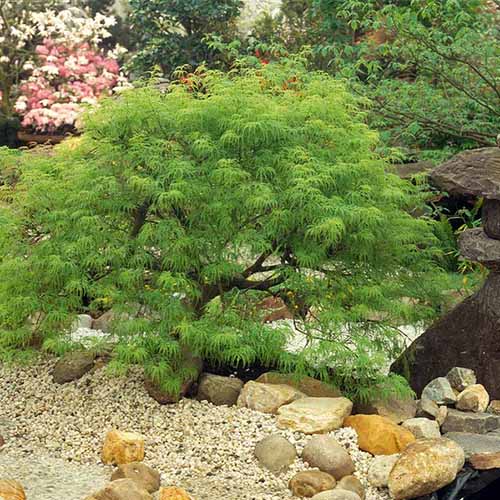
276, 441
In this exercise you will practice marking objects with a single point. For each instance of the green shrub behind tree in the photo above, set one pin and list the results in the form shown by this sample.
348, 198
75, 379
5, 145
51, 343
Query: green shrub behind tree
184, 210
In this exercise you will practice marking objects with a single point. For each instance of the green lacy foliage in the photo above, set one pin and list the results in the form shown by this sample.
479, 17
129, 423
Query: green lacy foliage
170, 33
183, 210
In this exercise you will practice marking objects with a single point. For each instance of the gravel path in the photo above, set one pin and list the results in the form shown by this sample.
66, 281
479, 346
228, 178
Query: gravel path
54, 436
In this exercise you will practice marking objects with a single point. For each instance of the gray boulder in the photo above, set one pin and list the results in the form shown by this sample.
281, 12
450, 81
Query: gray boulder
73, 366
476, 423
219, 390
440, 391
275, 453
460, 378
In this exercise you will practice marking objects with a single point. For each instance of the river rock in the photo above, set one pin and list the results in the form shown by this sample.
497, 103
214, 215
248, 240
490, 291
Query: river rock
82, 321
352, 483
473, 398
380, 468
395, 409
122, 489
310, 482
307, 385
440, 391
336, 494
460, 378
173, 493
73, 366
476, 423
424, 467
11, 490
219, 390
146, 477
275, 453
422, 427
267, 398
427, 408
325, 453
379, 435
122, 448
314, 415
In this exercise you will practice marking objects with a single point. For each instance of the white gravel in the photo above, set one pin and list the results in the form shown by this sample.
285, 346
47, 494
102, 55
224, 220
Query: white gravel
54, 431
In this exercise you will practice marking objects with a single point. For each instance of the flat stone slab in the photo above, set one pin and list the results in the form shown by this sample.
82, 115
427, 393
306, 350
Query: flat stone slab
475, 443
475, 172
475, 423
476, 245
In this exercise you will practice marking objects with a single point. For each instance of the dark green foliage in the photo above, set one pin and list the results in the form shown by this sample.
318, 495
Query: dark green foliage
170, 33
184, 210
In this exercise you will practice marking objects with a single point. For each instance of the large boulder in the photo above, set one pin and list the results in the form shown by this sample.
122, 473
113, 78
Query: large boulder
379, 435
122, 448
464, 421
463, 337
146, 477
267, 398
424, 467
396, 409
325, 453
122, 489
219, 390
440, 391
308, 483
380, 468
422, 427
11, 490
307, 385
314, 415
473, 398
73, 366
275, 453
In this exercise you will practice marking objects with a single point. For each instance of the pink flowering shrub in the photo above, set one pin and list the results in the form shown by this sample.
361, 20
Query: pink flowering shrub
65, 78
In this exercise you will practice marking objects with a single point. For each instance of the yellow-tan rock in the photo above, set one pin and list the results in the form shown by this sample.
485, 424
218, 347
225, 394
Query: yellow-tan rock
267, 398
146, 477
122, 489
379, 435
11, 490
473, 398
352, 483
122, 448
308, 483
309, 386
173, 493
314, 415
424, 467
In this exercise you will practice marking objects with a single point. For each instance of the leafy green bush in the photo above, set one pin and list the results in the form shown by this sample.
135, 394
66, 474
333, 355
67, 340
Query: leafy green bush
183, 210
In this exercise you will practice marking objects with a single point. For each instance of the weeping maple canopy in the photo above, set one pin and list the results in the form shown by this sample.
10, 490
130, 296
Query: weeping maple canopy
194, 204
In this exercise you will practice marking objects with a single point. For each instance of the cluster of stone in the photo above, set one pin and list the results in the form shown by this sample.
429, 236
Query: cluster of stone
468, 334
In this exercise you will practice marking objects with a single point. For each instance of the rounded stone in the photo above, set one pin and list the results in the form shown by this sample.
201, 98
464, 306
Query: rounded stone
440, 391
336, 494
140, 473
352, 483
473, 398
275, 453
310, 482
424, 467
73, 366
122, 448
325, 453
267, 398
219, 390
